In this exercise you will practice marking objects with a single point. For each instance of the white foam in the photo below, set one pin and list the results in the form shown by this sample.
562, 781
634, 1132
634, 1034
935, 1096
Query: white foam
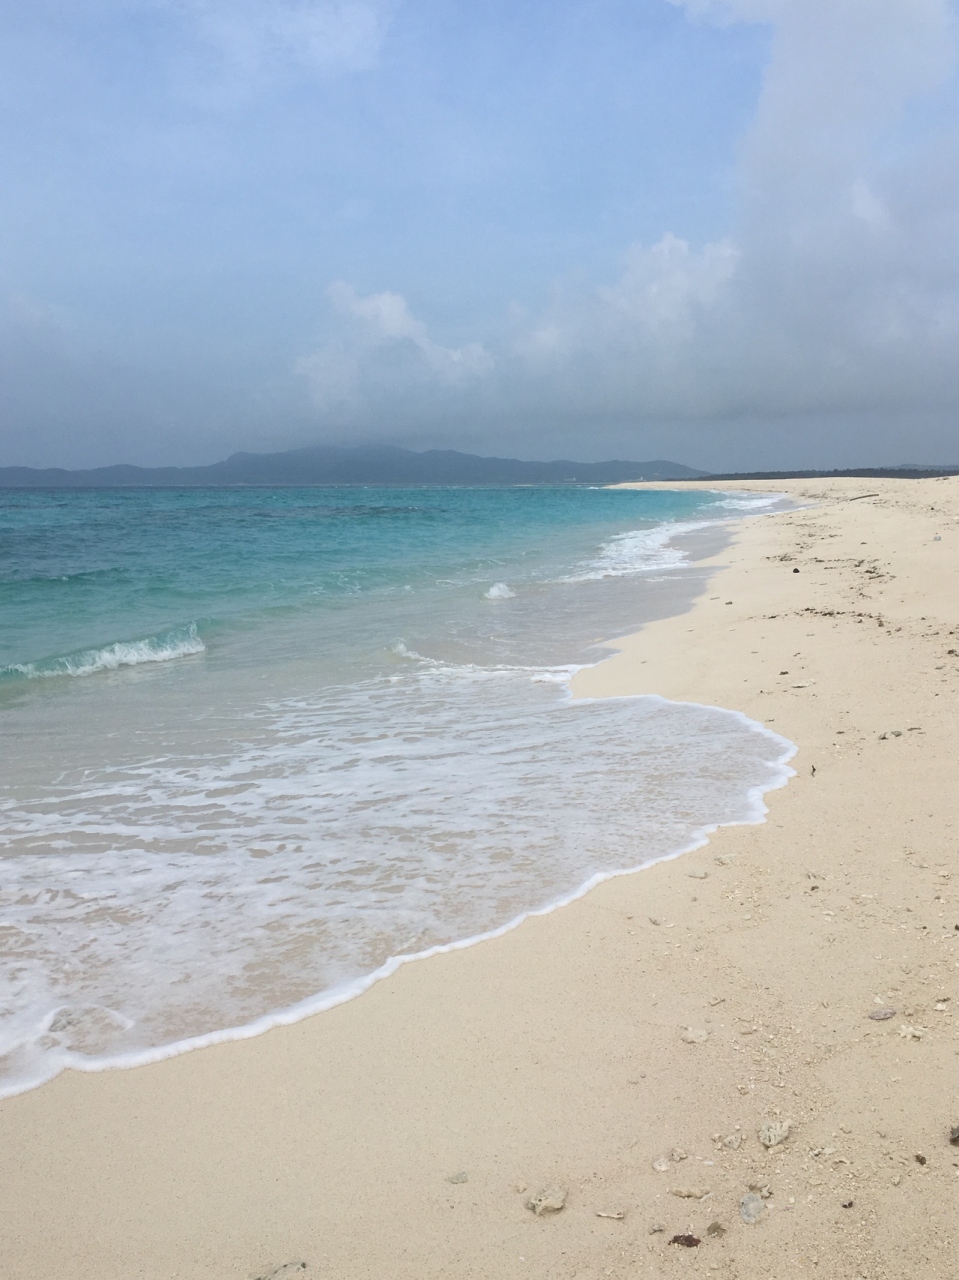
500, 591
654, 550
178, 643
641, 551
46, 1065
355, 829
169, 903
757, 502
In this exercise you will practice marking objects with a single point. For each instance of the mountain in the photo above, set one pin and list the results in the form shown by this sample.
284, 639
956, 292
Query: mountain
367, 464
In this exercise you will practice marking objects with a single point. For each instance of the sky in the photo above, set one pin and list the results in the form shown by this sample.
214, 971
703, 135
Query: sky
723, 232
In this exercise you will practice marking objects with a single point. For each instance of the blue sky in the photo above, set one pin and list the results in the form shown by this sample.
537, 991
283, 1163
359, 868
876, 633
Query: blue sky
720, 232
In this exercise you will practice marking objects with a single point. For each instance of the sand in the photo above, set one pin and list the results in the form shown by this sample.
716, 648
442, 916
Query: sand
555, 1055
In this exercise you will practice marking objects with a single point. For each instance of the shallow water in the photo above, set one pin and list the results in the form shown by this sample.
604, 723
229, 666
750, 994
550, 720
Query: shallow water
259, 744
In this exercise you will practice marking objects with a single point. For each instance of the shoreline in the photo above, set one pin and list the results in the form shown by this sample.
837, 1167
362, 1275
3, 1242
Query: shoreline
555, 1053
672, 596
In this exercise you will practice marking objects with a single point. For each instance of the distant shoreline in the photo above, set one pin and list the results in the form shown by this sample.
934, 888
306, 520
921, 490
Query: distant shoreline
861, 473
388, 467
384, 465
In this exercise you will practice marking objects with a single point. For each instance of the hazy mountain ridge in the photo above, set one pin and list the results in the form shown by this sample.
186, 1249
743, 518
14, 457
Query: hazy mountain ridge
365, 464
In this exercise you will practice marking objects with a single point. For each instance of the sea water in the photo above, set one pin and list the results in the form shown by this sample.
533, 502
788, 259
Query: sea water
260, 745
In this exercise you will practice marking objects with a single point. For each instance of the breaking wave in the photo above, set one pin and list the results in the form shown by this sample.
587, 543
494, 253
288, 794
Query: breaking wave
180, 642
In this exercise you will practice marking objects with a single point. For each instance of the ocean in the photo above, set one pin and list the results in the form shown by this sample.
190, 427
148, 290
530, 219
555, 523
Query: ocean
262, 745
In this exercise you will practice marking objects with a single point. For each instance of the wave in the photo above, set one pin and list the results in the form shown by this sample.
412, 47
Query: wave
645, 550
80, 577
340, 833
179, 642
759, 502
500, 591
370, 825
641, 550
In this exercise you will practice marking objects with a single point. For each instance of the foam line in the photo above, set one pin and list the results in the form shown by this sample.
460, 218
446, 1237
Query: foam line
428, 803
180, 642
319, 1003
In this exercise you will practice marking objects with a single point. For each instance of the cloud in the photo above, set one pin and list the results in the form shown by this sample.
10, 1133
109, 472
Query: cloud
383, 348
658, 300
610, 349
837, 290
827, 285
320, 35
725, 12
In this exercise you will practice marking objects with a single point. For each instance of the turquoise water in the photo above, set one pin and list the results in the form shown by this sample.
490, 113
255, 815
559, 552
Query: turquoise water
260, 744
84, 574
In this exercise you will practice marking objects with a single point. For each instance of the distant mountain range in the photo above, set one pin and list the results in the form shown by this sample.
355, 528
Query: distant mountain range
367, 464
388, 465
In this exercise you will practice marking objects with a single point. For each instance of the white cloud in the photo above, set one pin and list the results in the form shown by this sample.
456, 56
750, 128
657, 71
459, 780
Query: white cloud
868, 207
629, 342
726, 11
663, 289
383, 346
321, 35
630, 346
837, 290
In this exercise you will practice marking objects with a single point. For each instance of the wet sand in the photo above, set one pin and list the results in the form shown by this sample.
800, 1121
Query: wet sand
669, 1013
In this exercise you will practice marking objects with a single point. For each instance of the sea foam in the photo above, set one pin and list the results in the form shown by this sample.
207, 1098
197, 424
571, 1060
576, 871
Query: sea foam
252, 839
353, 828
179, 642
655, 549
641, 551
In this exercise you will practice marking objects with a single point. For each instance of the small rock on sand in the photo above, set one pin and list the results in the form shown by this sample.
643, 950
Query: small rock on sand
457, 1178
693, 1035
716, 1230
662, 1164
733, 1141
954, 1135
775, 1132
686, 1240
549, 1200
882, 1015
751, 1208
690, 1193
